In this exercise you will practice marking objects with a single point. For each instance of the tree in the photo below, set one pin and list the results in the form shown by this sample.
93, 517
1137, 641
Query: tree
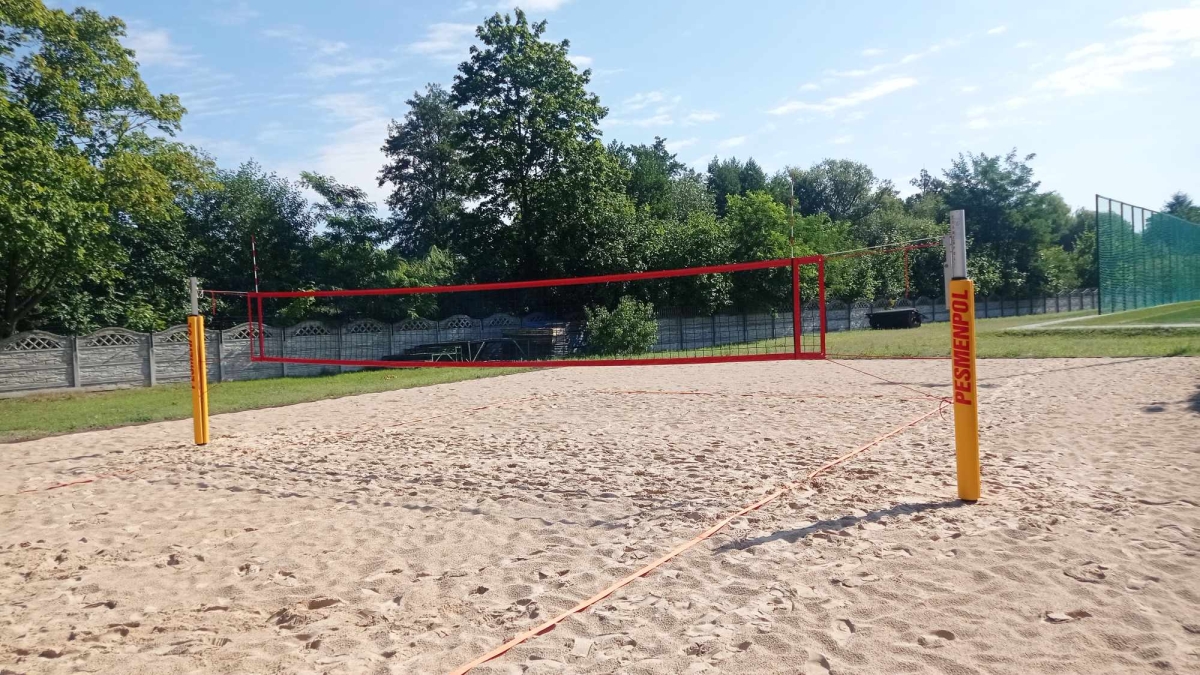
77, 158
1007, 220
841, 189
758, 230
724, 179
751, 177
245, 203
527, 121
1180, 205
652, 168
426, 171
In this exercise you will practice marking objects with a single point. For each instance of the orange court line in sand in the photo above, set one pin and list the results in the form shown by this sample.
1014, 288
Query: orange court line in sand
720, 525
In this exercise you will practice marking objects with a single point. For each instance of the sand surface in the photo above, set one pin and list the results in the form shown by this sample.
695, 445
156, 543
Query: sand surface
410, 531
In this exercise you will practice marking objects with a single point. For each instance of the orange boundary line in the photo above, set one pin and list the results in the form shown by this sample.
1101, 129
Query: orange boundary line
624, 581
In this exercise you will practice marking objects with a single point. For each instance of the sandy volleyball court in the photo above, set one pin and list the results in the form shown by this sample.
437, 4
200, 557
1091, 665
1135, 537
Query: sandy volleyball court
411, 531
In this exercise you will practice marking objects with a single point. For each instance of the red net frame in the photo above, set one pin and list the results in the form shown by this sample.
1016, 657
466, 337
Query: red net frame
798, 328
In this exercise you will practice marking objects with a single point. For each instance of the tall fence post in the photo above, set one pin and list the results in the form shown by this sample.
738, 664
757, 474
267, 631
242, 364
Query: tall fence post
340, 330
283, 349
76, 379
220, 356
152, 371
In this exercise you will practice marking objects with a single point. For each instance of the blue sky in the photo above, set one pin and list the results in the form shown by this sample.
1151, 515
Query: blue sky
1100, 90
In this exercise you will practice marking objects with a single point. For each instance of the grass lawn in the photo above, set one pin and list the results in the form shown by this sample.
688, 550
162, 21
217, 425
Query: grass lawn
1179, 312
29, 417
994, 340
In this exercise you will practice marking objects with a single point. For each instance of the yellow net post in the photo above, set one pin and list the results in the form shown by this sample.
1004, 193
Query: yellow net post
961, 301
199, 367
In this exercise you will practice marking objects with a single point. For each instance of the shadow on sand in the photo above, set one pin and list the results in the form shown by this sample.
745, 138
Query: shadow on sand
845, 522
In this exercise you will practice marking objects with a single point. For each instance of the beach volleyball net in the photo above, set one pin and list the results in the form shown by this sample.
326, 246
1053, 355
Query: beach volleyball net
767, 310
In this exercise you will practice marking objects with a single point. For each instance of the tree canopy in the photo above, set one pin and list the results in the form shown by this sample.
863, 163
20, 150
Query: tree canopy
502, 175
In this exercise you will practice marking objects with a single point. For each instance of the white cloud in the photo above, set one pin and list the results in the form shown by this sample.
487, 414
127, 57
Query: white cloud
810, 86
969, 89
235, 15
1162, 38
290, 33
352, 154
533, 5
361, 66
979, 123
581, 61
327, 58
656, 120
701, 116
856, 116
860, 72
1094, 48
327, 47
905, 60
153, 47
731, 142
1023, 44
997, 30
881, 88
842, 140
445, 41
675, 146
639, 101
275, 133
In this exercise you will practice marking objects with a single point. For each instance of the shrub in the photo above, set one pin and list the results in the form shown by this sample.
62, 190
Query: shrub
628, 329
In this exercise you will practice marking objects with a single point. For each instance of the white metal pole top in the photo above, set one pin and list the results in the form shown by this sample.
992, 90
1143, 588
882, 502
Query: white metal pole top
194, 287
957, 251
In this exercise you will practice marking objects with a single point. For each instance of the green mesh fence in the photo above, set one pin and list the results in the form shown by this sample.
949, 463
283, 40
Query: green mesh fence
1146, 258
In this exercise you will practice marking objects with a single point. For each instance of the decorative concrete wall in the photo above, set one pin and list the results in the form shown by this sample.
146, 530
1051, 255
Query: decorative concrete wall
117, 357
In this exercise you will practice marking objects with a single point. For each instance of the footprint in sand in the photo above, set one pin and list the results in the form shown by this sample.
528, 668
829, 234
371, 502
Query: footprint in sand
816, 664
1138, 583
1088, 573
1066, 617
842, 631
936, 639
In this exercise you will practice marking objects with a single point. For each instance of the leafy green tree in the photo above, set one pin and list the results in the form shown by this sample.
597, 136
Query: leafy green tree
687, 195
1180, 205
1007, 220
758, 230
426, 172
1058, 270
842, 189
529, 130
348, 251
724, 179
751, 177
245, 203
586, 222
77, 158
652, 168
